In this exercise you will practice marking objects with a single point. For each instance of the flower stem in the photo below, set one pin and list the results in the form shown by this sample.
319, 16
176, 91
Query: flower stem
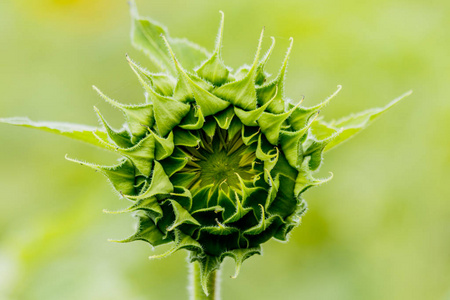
195, 286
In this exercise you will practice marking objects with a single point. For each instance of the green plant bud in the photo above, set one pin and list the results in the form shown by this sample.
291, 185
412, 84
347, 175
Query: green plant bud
215, 162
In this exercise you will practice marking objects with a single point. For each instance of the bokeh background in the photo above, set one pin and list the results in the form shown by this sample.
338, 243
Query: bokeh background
379, 230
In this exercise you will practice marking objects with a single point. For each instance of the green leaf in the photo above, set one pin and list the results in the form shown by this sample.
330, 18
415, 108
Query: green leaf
242, 92
75, 131
213, 69
354, 123
322, 130
146, 36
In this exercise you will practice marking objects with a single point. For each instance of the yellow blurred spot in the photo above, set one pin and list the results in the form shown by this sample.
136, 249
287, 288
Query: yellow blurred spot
75, 15
65, 2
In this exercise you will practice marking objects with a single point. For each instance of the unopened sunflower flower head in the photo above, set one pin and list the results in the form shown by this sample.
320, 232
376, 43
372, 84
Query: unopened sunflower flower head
215, 161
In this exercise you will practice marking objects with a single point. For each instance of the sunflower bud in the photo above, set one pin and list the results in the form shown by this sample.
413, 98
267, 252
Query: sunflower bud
215, 161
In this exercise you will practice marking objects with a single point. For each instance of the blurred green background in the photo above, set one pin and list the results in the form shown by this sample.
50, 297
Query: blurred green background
379, 230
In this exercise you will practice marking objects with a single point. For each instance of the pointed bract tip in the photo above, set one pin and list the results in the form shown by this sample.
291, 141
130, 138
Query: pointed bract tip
268, 53
220, 34
315, 117
291, 43
262, 34
303, 98
288, 52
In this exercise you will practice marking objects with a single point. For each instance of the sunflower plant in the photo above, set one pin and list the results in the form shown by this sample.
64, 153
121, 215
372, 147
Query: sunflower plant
215, 161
